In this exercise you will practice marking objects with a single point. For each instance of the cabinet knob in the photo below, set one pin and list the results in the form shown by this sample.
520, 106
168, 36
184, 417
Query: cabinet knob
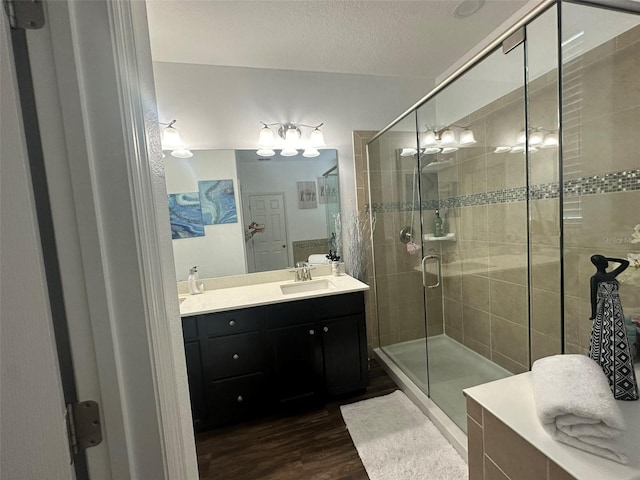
325, 329
239, 399
232, 323
235, 356
312, 332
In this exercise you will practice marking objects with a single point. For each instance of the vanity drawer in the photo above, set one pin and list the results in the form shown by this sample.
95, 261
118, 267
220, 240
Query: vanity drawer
231, 322
236, 399
234, 355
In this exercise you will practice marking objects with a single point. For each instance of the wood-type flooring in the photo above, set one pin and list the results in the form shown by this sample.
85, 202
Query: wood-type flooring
312, 444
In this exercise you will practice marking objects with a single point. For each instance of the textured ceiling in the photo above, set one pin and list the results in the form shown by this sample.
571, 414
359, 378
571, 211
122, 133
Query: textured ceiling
419, 38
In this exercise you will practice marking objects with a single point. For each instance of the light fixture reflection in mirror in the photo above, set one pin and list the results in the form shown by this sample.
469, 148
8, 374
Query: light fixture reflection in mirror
266, 191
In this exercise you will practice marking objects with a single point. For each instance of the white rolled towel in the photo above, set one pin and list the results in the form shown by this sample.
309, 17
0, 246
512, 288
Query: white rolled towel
575, 405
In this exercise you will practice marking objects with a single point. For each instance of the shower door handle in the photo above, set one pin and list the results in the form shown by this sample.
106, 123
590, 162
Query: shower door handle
424, 261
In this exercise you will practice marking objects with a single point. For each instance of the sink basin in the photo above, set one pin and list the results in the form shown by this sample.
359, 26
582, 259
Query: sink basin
309, 286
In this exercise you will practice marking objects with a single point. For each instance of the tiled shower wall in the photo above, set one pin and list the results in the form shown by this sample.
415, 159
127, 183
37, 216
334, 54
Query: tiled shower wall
485, 293
601, 136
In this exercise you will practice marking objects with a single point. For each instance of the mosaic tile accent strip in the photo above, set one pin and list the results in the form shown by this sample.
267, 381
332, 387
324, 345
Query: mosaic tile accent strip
628, 180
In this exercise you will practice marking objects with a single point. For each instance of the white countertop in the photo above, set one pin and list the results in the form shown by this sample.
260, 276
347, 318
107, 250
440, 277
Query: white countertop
223, 299
511, 401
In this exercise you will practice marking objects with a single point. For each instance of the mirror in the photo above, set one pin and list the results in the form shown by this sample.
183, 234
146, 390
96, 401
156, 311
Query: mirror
233, 212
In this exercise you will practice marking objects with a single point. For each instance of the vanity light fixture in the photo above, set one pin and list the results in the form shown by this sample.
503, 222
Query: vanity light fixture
444, 140
538, 138
291, 134
171, 140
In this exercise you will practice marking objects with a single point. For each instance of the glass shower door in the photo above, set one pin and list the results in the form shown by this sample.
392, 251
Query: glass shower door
472, 138
395, 213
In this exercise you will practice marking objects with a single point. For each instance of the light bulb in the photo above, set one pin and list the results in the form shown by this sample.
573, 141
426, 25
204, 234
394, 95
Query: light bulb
265, 152
430, 150
449, 149
316, 139
182, 153
171, 139
266, 138
550, 141
447, 139
289, 152
521, 138
502, 149
429, 138
310, 152
536, 138
407, 152
467, 138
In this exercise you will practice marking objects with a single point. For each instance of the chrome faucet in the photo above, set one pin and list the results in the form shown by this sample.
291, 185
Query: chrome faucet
303, 272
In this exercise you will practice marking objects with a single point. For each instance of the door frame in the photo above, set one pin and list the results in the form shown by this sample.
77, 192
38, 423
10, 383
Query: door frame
108, 130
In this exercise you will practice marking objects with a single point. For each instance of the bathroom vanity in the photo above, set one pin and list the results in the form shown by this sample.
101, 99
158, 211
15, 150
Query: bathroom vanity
257, 349
507, 441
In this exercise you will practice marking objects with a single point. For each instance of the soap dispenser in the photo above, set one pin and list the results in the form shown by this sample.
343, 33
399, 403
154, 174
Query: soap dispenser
438, 231
195, 287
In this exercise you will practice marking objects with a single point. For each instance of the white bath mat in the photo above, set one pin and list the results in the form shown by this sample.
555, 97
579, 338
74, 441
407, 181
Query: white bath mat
395, 440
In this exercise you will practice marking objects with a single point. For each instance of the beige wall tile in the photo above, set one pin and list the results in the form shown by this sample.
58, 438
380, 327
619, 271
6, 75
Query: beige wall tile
474, 410
544, 346
557, 473
510, 339
387, 290
492, 472
503, 172
476, 325
546, 313
472, 176
544, 224
452, 314
455, 334
475, 450
516, 457
411, 316
509, 262
477, 347
507, 222
473, 223
545, 268
509, 301
475, 292
507, 363
452, 288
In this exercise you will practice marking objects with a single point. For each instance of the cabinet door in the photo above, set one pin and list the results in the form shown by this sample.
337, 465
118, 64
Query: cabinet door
296, 362
345, 354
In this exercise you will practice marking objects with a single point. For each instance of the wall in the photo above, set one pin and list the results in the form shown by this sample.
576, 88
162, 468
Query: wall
601, 163
221, 251
222, 107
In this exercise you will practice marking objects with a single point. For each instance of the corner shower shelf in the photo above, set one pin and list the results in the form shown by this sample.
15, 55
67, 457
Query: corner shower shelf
449, 237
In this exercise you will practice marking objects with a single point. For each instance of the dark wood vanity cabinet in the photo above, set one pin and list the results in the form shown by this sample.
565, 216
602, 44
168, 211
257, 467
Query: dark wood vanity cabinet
244, 362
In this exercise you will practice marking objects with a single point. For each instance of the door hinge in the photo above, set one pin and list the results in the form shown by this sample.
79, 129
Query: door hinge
25, 14
83, 426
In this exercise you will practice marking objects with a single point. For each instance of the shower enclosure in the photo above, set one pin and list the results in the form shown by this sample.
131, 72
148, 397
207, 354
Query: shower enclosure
491, 194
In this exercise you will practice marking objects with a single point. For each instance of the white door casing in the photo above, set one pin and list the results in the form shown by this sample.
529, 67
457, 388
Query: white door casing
33, 440
100, 135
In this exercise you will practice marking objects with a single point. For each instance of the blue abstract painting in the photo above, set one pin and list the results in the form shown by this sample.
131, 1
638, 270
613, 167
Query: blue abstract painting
185, 215
218, 202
